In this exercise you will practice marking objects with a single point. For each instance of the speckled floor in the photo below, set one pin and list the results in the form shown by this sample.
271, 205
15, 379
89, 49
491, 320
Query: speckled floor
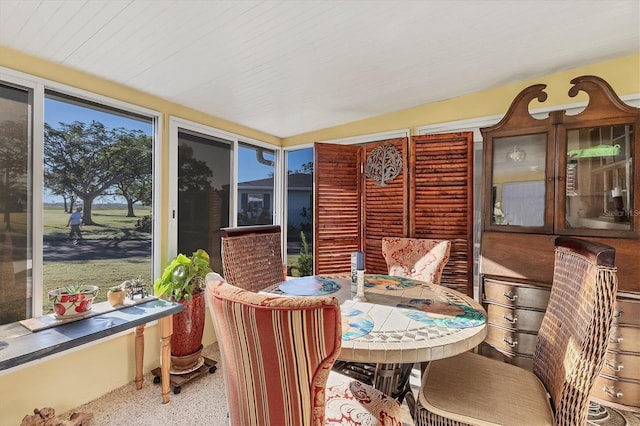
201, 402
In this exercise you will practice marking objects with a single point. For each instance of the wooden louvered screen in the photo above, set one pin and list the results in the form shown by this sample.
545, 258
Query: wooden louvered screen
337, 207
385, 207
441, 200
432, 198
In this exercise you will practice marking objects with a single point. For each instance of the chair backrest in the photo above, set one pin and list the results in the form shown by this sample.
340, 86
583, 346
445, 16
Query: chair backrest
276, 353
573, 337
421, 259
252, 256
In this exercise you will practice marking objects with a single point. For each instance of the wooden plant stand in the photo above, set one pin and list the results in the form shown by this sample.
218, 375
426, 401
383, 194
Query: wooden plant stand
177, 380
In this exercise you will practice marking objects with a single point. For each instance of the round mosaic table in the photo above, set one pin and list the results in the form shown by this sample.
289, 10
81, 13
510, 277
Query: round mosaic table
411, 321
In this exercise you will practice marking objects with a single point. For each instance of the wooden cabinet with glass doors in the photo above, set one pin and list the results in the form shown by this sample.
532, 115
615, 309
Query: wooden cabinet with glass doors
564, 174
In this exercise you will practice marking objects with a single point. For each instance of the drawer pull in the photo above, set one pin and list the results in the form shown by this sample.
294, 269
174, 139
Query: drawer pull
512, 297
618, 313
511, 341
611, 392
510, 318
611, 365
616, 340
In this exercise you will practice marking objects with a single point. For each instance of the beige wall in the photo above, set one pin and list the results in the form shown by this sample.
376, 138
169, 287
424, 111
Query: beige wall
98, 368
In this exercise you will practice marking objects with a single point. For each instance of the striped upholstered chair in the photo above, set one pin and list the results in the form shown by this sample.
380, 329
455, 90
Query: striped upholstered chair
569, 354
417, 258
277, 354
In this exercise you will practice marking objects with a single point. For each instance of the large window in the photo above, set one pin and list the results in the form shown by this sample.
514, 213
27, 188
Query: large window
97, 167
63, 153
215, 181
204, 178
256, 185
15, 204
300, 211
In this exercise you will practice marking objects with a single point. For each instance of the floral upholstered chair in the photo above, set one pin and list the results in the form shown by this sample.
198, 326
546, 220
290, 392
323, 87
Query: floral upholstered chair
421, 259
277, 353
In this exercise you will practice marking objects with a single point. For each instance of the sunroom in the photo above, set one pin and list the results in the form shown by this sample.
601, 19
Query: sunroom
236, 94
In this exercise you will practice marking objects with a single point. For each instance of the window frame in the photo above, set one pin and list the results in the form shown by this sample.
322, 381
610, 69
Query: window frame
175, 125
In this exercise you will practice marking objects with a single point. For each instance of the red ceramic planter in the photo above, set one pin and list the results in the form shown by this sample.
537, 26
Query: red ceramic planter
188, 327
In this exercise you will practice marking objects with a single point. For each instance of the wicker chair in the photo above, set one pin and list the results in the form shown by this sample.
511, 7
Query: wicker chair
569, 354
277, 354
252, 256
420, 259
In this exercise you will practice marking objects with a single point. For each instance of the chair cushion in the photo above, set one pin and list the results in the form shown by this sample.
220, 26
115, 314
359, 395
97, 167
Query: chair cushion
421, 259
471, 388
350, 402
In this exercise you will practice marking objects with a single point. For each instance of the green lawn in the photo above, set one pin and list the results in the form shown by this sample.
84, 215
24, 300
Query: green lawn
111, 224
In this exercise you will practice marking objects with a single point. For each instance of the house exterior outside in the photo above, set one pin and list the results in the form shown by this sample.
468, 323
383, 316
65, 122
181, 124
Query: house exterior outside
255, 201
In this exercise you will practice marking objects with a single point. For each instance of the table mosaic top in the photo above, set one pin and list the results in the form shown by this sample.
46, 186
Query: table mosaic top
401, 320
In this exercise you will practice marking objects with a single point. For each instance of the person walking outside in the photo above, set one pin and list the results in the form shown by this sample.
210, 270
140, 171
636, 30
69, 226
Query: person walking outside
75, 221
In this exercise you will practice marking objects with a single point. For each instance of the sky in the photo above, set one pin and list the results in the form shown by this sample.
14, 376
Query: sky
56, 112
62, 112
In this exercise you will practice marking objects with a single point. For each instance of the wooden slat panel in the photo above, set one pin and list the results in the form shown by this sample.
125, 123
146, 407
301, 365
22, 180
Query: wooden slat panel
441, 200
440, 208
385, 207
337, 211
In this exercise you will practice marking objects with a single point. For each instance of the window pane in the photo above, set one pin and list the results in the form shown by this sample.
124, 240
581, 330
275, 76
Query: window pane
15, 204
599, 193
299, 211
98, 166
519, 180
256, 167
204, 165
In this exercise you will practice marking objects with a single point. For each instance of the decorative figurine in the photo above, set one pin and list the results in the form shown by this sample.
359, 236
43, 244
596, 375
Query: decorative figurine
136, 286
498, 215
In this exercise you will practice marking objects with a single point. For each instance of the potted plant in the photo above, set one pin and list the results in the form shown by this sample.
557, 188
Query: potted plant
72, 300
183, 281
116, 295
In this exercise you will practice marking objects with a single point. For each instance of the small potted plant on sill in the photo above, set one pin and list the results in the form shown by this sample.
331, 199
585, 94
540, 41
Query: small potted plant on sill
72, 300
116, 295
183, 281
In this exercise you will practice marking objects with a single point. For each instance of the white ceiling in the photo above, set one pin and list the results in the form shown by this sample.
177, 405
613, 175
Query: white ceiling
289, 67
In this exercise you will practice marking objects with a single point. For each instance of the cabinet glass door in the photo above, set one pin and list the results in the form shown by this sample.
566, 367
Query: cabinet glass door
599, 176
519, 185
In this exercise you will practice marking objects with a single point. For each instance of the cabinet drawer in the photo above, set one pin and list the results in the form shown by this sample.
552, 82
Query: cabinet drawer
513, 294
511, 341
628, 312
517, 318
623, 365
625, 338
522, 361
617, 391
